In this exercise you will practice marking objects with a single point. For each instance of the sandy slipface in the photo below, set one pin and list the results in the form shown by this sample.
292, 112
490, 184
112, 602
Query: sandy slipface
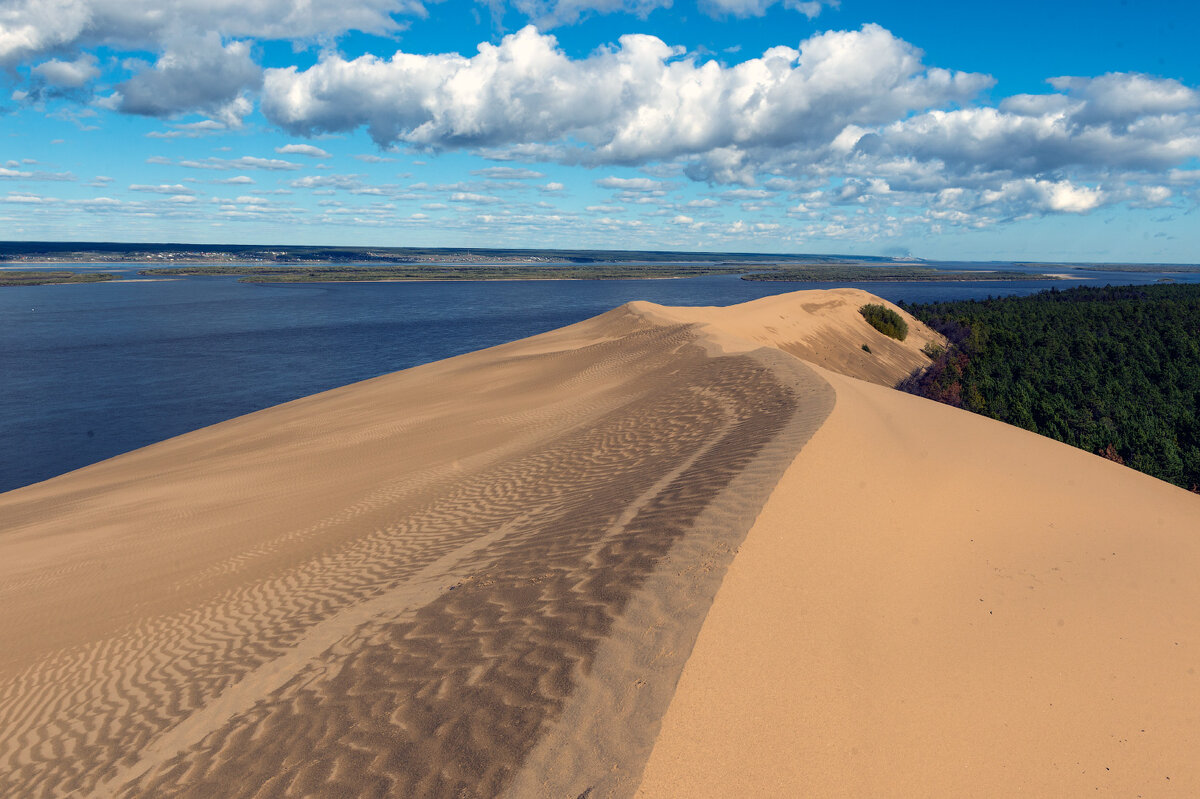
933, 603
486, 576
402, 587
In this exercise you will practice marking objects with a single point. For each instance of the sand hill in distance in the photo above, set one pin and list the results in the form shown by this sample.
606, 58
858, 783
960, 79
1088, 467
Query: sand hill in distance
663, 552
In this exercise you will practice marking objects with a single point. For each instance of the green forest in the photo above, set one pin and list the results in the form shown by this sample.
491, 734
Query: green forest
1113, 370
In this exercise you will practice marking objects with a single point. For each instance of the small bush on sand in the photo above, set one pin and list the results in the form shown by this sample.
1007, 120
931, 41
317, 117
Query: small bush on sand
866, 349
933, 350
886, 321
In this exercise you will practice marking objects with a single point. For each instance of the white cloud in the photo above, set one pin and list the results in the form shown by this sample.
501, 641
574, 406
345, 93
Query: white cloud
551, 13
756, 8
68, 74
630, 184
1062, 196
191, 130
547, 14
245, 162
1121, 98
848, 121
508, 173
27, 199
472, 197
197, 74
164, 188
345, 182
8, 173
639, 102
302, 149
32, 27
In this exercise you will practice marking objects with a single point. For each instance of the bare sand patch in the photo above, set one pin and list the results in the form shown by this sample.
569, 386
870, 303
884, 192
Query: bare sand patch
486, 576
936, 604
398, 587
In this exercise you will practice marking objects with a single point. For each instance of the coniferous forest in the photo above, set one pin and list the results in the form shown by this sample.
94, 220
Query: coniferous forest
1113, 370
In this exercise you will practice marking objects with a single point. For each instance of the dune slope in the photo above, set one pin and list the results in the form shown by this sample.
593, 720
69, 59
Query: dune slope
933, 603
513, 573
401, 587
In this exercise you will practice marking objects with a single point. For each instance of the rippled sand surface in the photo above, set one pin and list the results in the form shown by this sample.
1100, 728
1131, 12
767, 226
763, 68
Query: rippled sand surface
488, 575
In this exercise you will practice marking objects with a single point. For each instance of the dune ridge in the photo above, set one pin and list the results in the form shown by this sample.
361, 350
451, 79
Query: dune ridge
665, 551
393, 587
966, 609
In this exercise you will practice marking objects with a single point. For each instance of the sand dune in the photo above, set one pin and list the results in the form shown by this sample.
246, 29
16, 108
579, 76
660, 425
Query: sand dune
944, 605
486, 576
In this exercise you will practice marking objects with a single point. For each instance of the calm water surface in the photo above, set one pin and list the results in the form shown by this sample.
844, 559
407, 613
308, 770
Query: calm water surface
91, 371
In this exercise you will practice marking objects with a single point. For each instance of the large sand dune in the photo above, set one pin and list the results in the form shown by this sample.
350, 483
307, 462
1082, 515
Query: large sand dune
486, 576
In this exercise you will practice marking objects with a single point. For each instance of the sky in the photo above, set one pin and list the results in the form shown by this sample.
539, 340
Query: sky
1064, 131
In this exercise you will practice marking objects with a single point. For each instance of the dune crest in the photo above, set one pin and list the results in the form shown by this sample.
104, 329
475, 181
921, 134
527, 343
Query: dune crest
487, 575
821, 326
401, 586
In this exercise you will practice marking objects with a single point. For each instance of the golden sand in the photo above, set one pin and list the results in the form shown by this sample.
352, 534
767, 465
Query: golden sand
488, 575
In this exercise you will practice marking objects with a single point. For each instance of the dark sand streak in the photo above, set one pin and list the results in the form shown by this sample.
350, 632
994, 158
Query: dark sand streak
576, 570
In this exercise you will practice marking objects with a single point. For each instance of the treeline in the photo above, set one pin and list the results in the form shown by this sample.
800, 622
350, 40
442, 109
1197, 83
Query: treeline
1113, 370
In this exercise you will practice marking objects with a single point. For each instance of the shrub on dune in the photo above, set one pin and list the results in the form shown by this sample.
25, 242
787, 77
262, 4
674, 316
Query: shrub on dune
885, 320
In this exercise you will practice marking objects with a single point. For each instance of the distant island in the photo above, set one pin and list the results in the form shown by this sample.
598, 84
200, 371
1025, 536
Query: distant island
44, 278
117, 252
1138, 268
346, 273
309, 264
837, 273
600, 271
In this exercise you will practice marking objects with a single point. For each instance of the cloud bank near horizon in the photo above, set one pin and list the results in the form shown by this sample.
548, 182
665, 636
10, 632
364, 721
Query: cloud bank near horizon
844, 119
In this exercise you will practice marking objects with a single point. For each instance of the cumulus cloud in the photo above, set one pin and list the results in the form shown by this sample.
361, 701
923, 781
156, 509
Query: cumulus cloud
1062, 196
473, 197
756, 8
630, 184
344, 182
245, 162
1122, 98
856, 108
164, 188
844, 120
310, 150
196, 74
190, 130
68, 74
11, 173
1088, 127
546, 14
29, 28
640, 101
508, 173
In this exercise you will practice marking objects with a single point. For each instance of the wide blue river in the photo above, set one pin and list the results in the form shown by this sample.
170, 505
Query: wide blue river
90, 371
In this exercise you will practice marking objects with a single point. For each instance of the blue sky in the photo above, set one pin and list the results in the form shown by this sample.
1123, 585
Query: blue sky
1063, 131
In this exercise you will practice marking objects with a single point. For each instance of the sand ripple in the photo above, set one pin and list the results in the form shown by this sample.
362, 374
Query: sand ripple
416, 592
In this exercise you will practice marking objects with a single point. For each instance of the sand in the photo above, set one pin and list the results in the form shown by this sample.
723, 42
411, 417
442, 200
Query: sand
937, 604
662, 552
